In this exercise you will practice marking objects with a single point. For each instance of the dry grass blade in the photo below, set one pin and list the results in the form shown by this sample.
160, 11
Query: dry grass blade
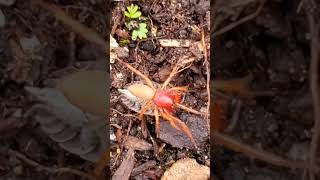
73, 24
126, 167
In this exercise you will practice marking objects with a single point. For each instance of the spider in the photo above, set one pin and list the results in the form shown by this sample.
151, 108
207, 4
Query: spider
163, 101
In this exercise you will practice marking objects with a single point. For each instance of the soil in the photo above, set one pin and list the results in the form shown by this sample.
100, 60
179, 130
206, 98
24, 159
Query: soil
273, 47
35, 48
172, 20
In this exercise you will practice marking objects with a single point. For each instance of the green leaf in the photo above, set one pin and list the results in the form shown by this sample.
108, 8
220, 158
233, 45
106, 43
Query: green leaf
141, 32
136, 15
134, 34
132, 12
135, 9
127, 14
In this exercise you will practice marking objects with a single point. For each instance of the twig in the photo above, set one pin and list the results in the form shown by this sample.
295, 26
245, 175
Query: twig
205, 53
249, 151
235, 117
314, 79
125, 115
77, 27
241, 21
40, 167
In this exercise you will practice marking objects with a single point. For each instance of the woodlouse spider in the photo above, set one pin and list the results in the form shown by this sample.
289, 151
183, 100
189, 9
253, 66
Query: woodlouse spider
163, 101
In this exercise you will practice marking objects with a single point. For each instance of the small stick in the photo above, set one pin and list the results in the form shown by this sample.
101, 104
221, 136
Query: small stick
249, 151
241, 21
40, 167
314, 85
205, 53
79, 28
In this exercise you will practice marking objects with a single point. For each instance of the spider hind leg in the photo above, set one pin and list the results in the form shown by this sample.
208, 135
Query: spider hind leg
182, 126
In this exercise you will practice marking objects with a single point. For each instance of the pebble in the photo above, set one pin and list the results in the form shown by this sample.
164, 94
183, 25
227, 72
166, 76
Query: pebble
31, 44
187, 169
299, 151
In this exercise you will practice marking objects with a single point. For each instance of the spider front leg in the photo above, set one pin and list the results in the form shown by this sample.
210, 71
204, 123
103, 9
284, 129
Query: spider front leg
156, 114
183, 126
143, 122
149, 82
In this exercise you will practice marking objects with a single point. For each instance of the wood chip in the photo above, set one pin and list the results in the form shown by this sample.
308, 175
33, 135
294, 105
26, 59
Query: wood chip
137, 144
145, 166
126, 167
175, 42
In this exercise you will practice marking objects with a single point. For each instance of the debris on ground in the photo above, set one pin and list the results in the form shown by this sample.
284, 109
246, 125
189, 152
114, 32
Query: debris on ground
186, 169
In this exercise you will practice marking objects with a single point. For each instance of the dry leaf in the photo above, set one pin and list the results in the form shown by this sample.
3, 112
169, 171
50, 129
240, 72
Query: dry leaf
126, 167
68, 125
137, 144
87, 90
19, 68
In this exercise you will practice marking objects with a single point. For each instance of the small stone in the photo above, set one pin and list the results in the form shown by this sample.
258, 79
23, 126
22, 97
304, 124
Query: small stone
176, 138
187, 169
18, 170
2, 19
112, 136
147, 46
299, 151
7, 2
31, 44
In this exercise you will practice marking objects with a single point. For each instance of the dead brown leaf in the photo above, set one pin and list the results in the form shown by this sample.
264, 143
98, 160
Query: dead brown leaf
17, 69
126, 167
137, 144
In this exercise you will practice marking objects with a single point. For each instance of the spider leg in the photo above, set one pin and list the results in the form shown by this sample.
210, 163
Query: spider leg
101, 164
188, 109
156, 114
171, 121
183, 126
149, 82
167, 81
143, 121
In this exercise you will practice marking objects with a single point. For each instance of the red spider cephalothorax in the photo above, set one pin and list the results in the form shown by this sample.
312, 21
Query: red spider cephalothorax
166, 99
163, 101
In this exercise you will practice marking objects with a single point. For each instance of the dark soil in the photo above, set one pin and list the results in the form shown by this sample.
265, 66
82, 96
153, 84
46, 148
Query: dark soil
50, 47
173, 20
274, 48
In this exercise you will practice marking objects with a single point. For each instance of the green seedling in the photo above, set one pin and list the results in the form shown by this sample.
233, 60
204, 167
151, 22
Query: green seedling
138, 29
132, 12
141, 32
